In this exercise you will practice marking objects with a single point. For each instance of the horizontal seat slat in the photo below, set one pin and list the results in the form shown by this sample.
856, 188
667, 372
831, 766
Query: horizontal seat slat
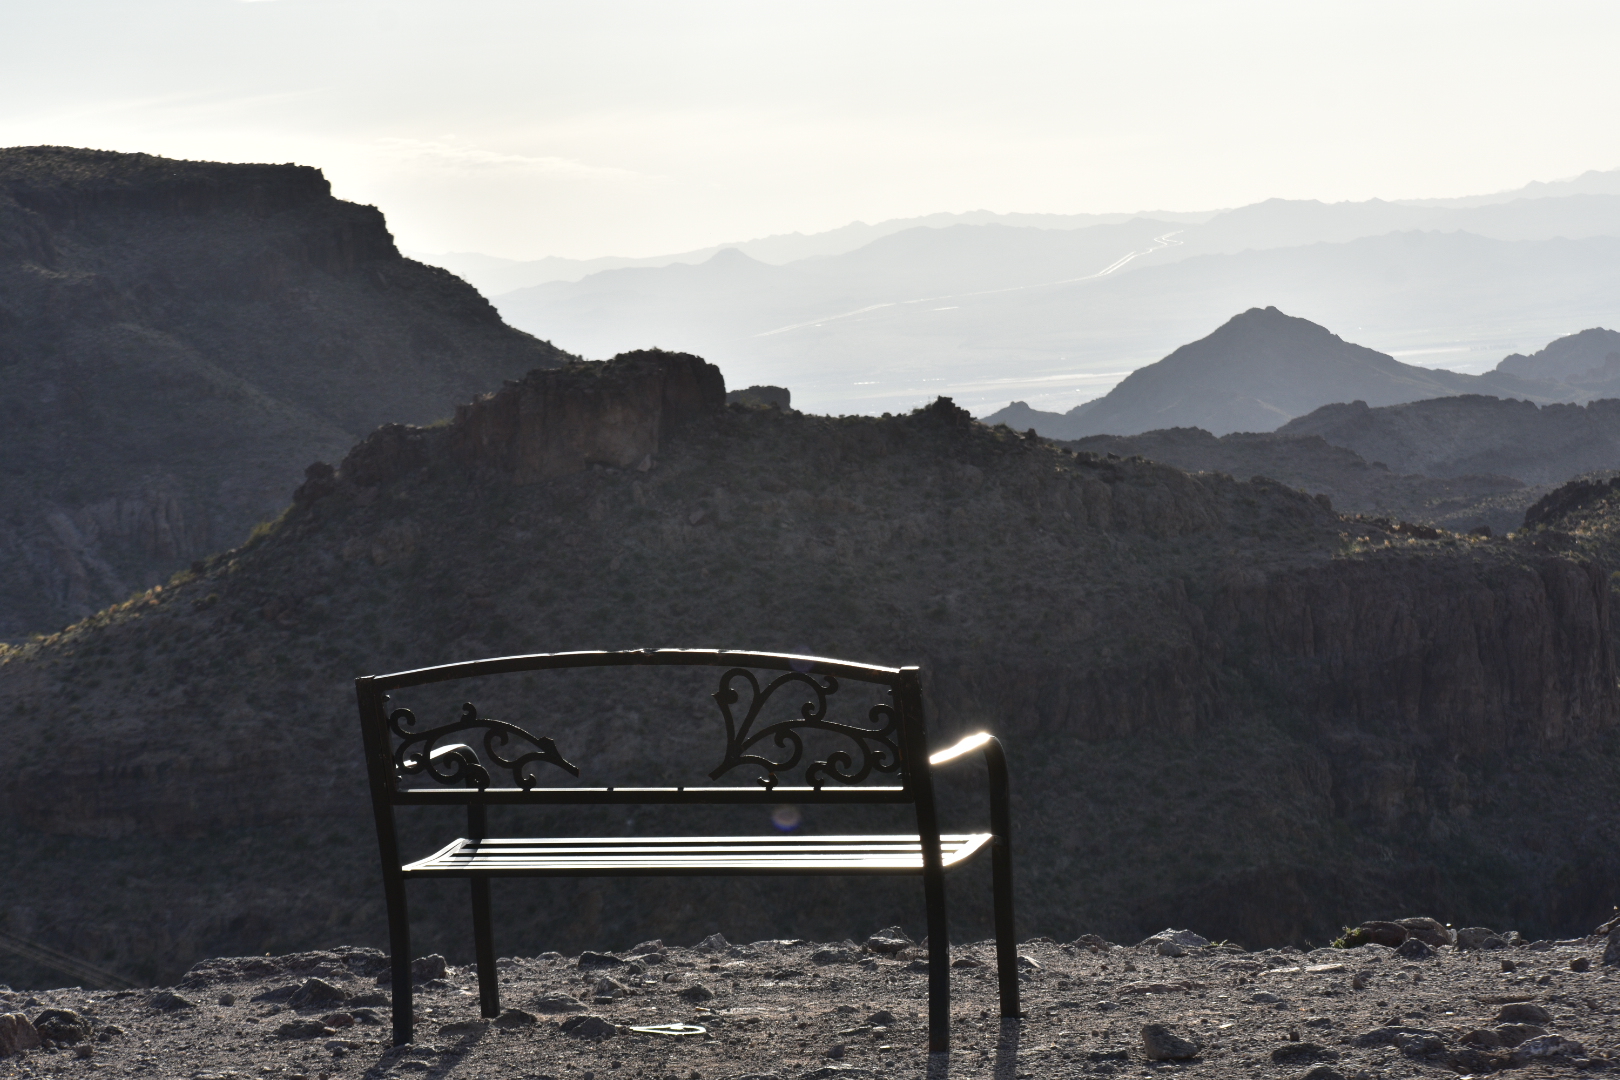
675, 855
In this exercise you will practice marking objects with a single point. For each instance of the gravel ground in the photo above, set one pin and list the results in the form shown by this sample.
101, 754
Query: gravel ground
794, 1010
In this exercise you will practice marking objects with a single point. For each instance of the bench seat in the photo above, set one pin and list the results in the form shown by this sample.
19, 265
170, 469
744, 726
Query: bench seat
690, 855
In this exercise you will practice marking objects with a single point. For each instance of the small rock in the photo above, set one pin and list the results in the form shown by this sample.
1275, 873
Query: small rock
1430, 931
17, 1033
1301, 1051
966, 962
1479, 937
1382, 933
1611, 952
62, 1026
1514, 1034
589, 1027
1415, 948
428, 968
1580, 963
1508, 965
1320, 1021
302, 1029
1482, 1037
598, 960
837, 1072
1185, 938
559, 1003
168, 1001
890, 941
108, 1033
463, 1029
1159, 1043
371, 1000
1547, 1046
713, 943
1522, 1012
316, 992
338, 1020
275, 994
608, 989
515, 1018
227, 1000
1321, 1072
832, 956
1262, 998
881, 1018
695, 993
365, 1016
1169, 948
836, 1052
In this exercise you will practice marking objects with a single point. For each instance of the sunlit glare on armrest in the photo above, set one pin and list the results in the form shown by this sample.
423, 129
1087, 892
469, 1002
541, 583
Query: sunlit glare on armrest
966, 746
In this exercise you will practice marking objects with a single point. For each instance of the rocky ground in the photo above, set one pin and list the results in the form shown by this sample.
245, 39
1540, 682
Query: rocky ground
793, 1010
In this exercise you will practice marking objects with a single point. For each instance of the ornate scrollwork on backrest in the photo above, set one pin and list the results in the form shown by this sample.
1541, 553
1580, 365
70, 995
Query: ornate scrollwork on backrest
879, 745
420, 752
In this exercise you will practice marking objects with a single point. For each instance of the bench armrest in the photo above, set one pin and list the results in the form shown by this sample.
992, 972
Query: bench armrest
1000, 856
966, 746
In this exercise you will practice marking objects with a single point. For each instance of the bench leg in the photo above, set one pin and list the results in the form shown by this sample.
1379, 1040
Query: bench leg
399, 954
939, 962
1006, 940
489, 991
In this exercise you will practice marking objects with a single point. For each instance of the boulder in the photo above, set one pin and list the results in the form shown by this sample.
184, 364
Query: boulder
1159, 1043
890, 941
1523, 1012
1429, 931
17, 1034
1479, 937
1383, 933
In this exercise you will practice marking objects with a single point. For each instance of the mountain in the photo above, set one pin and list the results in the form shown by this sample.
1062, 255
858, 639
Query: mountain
1224, 705
1254, 373
178, 339
494, 276
1586, 357
989, 313
1457, 436
1352, 484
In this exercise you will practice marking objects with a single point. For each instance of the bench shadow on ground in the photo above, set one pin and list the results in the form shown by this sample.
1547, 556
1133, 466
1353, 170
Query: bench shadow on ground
425, 1060
1003, 1067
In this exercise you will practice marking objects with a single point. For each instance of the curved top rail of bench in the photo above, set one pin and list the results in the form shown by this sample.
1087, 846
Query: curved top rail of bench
505, 665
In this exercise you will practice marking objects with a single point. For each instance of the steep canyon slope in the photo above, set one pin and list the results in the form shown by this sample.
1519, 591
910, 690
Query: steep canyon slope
1225, 705
177, 340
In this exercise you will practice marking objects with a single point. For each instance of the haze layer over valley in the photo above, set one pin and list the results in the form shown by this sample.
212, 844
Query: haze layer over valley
1055, 310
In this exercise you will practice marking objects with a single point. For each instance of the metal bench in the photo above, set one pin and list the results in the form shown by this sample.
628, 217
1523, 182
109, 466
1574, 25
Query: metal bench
414, 765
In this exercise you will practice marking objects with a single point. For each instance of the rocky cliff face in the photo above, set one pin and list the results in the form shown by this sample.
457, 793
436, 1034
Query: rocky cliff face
1219, 696
178, 340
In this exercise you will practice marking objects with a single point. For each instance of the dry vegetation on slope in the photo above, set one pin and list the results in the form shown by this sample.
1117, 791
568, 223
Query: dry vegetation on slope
1225, 705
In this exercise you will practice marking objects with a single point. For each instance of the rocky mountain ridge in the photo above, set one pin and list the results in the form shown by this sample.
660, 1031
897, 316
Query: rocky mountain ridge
1258, 371
178, 340
1218, 696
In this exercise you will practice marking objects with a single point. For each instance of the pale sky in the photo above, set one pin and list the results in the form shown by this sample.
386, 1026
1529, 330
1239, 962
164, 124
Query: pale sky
535, 128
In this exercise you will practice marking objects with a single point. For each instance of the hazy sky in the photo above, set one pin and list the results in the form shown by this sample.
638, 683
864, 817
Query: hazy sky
590, 128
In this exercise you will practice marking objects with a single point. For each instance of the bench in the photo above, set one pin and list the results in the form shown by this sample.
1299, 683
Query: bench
418, 765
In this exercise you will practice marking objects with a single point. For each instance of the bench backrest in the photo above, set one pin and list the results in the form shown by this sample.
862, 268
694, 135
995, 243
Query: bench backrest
484, 761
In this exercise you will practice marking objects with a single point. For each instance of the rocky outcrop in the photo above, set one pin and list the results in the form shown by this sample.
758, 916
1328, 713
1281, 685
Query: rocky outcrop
554, 423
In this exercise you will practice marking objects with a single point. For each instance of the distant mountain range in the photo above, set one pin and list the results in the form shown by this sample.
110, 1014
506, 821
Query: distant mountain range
1262, 369
995, 312
1258, 371
493, 275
